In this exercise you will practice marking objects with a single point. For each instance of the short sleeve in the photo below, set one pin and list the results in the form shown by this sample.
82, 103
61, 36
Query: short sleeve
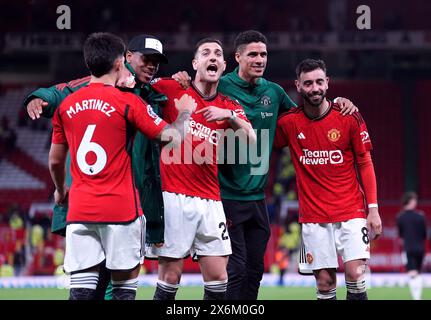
58, 134
360, 137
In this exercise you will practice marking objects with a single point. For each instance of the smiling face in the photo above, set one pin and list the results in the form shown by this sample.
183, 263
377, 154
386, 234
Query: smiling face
209, 62
252, 59
313, 86
145, 66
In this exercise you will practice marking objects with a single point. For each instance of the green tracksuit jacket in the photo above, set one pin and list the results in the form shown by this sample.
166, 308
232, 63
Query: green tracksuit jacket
262, 103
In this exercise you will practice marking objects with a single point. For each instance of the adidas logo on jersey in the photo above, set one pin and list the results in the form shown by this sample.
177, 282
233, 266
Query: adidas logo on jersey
301, 136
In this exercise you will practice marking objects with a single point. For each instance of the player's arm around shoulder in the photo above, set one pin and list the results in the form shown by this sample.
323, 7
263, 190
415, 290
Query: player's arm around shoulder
347, 107
44, 101
165, 85
149, 123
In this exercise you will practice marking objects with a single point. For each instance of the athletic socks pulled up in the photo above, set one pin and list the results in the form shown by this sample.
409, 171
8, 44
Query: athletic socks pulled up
215, 290
124, 289
327, 295
165, 291
356, 290
83, 285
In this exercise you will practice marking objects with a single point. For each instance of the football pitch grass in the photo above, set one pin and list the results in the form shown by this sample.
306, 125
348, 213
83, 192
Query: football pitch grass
196, 293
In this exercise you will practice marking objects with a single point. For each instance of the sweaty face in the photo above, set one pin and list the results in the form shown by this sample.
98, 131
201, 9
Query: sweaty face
209, 62
313, 86
145, 66
252, 59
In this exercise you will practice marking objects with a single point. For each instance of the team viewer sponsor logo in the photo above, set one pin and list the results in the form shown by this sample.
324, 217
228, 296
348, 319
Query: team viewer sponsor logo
317, 157
230, 147
203, 132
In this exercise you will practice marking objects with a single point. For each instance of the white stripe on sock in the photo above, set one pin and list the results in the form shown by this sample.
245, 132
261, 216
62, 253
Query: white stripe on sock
87, 280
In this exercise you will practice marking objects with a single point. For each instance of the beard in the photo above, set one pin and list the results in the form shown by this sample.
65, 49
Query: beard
319, 96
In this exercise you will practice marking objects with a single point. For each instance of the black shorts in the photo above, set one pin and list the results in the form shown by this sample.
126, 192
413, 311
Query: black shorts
414, 260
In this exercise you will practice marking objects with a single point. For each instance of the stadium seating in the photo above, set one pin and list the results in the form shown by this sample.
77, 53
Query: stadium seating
423, 116
24, 175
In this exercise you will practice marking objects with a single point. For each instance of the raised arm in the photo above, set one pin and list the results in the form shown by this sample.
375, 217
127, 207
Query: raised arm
176, 131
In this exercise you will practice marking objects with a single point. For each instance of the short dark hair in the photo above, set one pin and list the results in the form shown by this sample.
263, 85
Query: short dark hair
247, 37
308, 65
101, 49
207, 40
408, 196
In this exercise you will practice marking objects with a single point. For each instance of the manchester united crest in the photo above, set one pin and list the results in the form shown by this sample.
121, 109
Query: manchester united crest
309, 258
334, 135
265, 100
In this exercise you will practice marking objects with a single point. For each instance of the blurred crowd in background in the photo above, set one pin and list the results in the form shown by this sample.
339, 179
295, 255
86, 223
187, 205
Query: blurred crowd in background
389, 80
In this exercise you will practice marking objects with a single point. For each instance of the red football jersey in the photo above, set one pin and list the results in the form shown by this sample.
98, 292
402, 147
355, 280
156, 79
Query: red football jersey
193, 171
99, 122
323, 154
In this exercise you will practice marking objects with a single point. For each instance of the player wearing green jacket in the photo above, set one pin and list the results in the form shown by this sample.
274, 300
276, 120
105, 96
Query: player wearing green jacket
262, 101
143, 58
242, 185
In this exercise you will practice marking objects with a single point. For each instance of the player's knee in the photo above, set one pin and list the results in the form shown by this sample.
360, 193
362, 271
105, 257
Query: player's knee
325, 285
219, 276
355, 274
325, 282
171, 277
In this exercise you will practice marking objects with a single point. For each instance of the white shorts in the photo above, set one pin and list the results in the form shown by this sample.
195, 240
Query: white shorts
122, 245
323, 242
193, 226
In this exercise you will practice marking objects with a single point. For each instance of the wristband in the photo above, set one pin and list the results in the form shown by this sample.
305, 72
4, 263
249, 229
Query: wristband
372, 205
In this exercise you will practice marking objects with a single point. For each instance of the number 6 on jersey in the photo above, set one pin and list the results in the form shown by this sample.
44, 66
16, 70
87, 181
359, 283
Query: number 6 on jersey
87, 146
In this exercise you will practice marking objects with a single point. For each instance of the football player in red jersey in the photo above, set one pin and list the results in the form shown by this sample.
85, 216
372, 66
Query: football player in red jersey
195, 222
98, 124
336, 210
